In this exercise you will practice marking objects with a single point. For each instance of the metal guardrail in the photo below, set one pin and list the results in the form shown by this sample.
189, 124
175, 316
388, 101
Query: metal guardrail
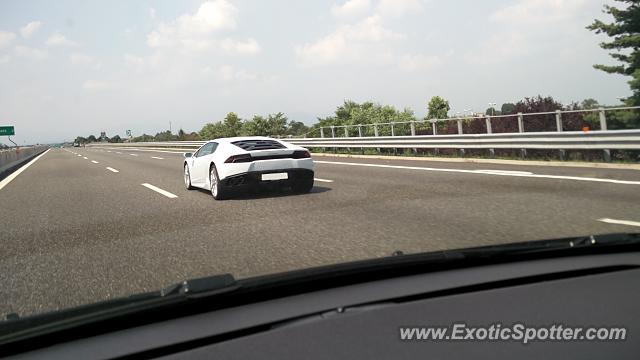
617, 139
613, 139
352, 129
561, 140
159, 144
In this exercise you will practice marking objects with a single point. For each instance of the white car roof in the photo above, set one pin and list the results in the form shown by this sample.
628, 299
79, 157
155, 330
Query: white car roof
240, 138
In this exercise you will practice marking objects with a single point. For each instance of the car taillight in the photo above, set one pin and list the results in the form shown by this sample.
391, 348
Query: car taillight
239, 159
301, 154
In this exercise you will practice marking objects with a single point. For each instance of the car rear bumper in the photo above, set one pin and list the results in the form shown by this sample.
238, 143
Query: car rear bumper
264, 166
254, 178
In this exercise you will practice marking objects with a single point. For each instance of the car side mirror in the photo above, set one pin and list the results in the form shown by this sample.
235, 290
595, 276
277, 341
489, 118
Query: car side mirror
188, 154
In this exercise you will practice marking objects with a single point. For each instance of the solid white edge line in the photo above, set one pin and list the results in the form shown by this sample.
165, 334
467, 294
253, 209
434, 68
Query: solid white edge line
95, 162
323, 180
14, 174
559, 177
155, 157
161, 191
506, 172
112, 169
620, 222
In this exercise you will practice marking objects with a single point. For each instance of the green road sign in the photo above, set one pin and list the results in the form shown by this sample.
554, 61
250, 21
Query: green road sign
7, 130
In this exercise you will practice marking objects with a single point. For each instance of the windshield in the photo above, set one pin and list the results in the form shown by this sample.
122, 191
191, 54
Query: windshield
361, 128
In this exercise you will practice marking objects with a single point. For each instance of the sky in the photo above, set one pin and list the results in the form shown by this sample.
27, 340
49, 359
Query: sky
70, 68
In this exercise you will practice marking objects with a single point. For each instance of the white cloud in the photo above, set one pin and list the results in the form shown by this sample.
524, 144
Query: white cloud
152, 13
96, 85
30, 29
538, 11
250, 46
499, 48
398, 7
4, 59
199, 32
349, 43
58, 39
413, 62
351, 8
230, 73
6, 38
30, 53
194, 30
365, 41
79, 59
226, 72
133, 60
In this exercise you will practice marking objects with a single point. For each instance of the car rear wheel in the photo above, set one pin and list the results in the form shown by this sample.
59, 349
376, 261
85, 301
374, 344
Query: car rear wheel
302, 186
187, 178
218, 191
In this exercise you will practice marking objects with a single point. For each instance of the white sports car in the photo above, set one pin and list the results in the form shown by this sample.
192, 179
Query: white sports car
228, 164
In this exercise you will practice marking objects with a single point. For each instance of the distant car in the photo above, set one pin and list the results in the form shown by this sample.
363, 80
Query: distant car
76, 145
229, 165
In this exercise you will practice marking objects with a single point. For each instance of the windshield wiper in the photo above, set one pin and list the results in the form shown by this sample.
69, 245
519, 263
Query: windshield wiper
581, 244
205, 286
16, 328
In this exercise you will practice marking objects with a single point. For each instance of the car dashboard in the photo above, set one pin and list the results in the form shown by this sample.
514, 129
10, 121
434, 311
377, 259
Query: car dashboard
363, 321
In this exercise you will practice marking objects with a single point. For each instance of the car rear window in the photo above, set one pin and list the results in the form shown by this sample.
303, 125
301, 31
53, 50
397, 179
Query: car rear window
251, 145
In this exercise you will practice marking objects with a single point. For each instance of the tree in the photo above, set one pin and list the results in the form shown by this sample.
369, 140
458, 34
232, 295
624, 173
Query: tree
143, 138
492, 111
91, 138
352, 113
296, 128
165, 136
277, 124
232, 125
438, 108
193, 136
508, 108
589, 104
257, 126
181, 135
344, 112
626, 43
212, 131
115, 139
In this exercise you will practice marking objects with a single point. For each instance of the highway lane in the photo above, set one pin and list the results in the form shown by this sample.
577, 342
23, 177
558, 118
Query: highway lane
78, 232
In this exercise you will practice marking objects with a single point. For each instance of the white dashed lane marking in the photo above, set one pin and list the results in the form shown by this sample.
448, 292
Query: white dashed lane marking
620, 222
161, 191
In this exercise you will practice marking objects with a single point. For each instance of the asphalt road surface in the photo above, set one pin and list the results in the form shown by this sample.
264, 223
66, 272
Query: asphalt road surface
78, 226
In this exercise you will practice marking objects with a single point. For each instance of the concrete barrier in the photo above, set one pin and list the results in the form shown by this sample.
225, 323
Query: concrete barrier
12, 159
